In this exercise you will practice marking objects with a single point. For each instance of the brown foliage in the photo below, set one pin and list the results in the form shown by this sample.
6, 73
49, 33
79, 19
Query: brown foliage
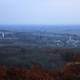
76, 58
71, 71
3, 72
35, 73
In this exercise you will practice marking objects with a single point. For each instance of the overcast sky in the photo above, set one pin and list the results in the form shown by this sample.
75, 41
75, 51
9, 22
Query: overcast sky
40, 12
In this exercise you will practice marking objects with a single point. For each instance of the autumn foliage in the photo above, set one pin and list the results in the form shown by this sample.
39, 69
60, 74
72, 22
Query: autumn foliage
71, 71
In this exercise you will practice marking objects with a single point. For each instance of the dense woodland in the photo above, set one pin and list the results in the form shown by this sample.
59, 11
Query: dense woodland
66, 61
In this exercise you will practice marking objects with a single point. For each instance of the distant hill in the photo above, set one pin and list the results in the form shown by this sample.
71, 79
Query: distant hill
42, 28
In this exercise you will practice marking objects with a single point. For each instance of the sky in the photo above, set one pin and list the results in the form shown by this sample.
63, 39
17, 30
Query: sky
45, 12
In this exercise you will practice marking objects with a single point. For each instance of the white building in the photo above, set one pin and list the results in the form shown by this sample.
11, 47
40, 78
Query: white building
72, 42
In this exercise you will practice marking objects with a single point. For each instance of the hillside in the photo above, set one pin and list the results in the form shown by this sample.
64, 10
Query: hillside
70, 71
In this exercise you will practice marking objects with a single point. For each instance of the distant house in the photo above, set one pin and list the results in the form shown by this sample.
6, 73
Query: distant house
72, 42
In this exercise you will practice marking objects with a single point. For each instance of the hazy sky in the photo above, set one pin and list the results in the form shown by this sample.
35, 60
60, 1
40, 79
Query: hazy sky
40, 12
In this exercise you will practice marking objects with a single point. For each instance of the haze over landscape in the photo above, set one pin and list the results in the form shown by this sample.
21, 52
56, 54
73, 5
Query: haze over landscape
39, 40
